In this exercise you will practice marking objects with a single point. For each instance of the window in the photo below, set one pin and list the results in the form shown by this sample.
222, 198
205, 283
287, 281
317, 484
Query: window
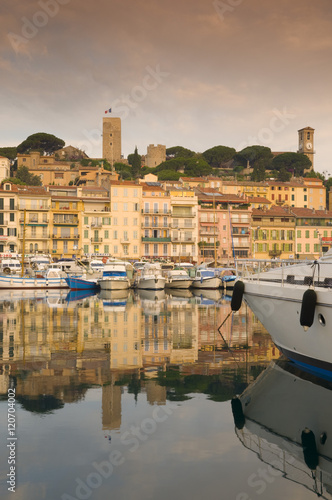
12, 217
146, 249
135, 193
307, 247
11, 204
299, 234
293, 197
86, 220
115, 235
307, 234
125, 192
106, 249
299, 247
115, 207
125, 221
115, 191
115, 221
125, 207
115, 248
106, 235
135, 234
86, 233
135, 249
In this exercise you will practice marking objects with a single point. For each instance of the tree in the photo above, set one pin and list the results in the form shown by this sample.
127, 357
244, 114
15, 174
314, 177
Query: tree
218, 155
196, 167
254, 154
283, 175
292, 162
168, 175
258, 173
179, 151
42, 142
9, 152
135, 161
24, 175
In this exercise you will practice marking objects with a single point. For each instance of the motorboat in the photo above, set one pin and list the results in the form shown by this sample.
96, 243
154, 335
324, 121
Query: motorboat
284, 418
206, 278
96, 266
52, 278
228, 278
114, 276
40, 262
178, 278
151, 278
82, 283
294, 303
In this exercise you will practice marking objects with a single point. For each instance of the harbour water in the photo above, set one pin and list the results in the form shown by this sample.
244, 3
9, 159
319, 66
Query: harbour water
128, 396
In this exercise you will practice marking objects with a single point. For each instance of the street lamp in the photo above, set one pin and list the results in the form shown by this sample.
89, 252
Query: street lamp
319, 243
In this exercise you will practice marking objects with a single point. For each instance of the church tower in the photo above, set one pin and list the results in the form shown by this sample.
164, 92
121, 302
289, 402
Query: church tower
306, 143
112, 139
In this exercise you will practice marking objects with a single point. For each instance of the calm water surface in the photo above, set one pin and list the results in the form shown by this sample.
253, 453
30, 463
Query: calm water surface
128, 396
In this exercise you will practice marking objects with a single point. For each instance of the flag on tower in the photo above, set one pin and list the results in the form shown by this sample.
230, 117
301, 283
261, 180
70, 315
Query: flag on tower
108, 111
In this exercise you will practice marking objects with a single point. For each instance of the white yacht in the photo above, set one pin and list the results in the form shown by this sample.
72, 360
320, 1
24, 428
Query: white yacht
114, 276
178, 278
151, 277
206, 278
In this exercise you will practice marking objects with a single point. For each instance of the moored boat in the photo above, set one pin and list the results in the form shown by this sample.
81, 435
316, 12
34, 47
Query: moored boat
151, 277
114, 276
52, 278
80, 283
178, 278
206, 278
294, 303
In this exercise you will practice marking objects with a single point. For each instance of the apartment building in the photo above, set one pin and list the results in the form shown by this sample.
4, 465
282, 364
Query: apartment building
95, 232
126, 202
156, 221
184, 228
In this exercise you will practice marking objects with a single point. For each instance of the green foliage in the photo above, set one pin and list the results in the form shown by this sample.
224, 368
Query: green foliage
45, 143
218, 155
9, 152
315, 175
168, 175
25, 177
283, 175
258, 173
179, 151
254, 154
135, 160
197, 167
13, 180
292, 162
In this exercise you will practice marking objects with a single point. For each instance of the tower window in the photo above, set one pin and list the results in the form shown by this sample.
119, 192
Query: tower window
111, 135
111, 143
308, 136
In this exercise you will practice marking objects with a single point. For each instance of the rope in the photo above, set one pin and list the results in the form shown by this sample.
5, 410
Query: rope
222, 324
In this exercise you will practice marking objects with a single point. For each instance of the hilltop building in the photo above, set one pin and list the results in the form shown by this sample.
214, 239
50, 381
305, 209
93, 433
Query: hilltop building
306, 143
112, 139
155, 155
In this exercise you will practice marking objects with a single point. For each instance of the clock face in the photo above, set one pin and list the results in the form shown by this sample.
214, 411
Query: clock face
309, 145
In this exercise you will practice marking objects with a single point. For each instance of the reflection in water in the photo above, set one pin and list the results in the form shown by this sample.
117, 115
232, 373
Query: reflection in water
60, 348
285, 418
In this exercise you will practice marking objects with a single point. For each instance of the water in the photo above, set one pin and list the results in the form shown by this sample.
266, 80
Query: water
128, 396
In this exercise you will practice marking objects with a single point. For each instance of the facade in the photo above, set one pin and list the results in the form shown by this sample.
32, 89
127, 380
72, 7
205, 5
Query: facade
156, 222
155, 155
313, 236
112, 139
95, 231
184, 228
126, 202
9, 216
4, 168
273, 233
65, 222
50, 171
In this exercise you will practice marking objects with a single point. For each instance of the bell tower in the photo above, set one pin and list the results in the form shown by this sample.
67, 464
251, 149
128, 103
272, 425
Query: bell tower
306, 143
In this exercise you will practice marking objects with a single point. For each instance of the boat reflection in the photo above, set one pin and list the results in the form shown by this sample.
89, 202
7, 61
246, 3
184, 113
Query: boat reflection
207, 297
285, 418
114, 300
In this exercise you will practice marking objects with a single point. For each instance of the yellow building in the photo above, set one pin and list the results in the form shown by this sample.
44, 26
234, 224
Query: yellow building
184, 234
65, 221
126, 201
95, 232
9, 216
273, 233
50, 171
156, 210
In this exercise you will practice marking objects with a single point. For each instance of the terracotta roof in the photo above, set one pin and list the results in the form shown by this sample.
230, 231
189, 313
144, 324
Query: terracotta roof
312, 213
258, 199
273, 211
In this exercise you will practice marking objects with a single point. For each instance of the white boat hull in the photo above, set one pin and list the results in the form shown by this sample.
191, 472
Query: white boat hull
182, 284
16, 282
114, 284
278, 307
211, 283
151, 283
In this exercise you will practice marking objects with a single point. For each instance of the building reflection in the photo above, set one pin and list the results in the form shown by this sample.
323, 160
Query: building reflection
155, 343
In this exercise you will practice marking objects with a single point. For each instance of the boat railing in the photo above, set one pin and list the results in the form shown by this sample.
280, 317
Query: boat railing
253, 269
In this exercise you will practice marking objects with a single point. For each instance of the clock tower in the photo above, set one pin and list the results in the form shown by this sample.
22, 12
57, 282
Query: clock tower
306, 143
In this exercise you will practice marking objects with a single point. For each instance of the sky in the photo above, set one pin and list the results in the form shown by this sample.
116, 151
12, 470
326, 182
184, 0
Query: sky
193, 73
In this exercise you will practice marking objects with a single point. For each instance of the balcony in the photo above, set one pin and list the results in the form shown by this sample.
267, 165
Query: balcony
125, 241
152, 211
275, 253
146, 239
183, 214
65, 222
96, 224
177, 239
96, 240
66, 237
153, 224
182, 226
211, 222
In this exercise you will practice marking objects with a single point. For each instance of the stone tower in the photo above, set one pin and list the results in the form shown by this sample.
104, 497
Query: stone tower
155, 155
306, 143
112, 139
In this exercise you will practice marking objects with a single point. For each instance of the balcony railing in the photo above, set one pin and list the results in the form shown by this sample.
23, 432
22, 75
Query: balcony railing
182, 226
182, 214
96, 240
67, 236
62, 222
125, 241
178, 239
96, 224
152, 211
146, 239
152, 224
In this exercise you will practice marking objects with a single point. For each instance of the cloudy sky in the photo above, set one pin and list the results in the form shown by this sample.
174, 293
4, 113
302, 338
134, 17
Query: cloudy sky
195, 73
